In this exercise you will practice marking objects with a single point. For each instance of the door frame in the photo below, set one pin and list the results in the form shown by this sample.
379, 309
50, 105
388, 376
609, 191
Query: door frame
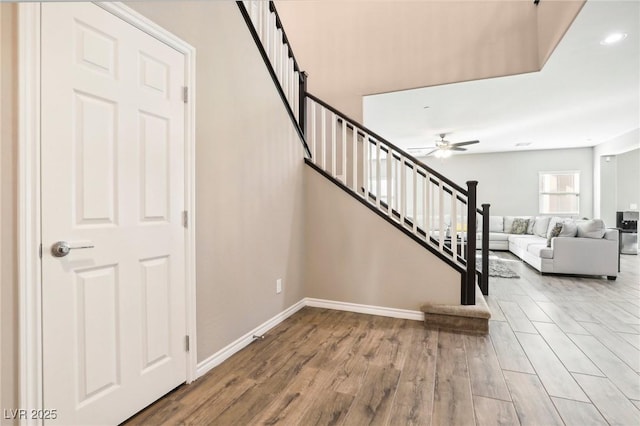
29, 210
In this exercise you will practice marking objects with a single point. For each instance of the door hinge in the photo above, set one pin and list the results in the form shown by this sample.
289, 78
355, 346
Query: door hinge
185, 218
40, 251
185, 94
186, 343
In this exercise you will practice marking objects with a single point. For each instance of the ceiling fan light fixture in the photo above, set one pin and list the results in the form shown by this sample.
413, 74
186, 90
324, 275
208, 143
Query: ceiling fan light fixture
442, 153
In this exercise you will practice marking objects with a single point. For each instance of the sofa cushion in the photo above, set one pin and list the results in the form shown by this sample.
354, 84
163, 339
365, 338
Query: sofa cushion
541, 225
524, 241
498, 236
494, 236
540, 250
569, 229
508, 223
519, 226
495, 224
593, 228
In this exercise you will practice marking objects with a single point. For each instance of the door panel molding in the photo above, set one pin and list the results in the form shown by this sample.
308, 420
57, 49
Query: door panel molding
29, 209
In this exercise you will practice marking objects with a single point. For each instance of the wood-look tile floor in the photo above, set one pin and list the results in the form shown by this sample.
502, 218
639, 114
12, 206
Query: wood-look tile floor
561, 350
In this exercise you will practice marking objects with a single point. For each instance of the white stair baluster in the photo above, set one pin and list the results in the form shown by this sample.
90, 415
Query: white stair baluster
259, 23
454, 224
274, 41
268, 43
463, 223
285, 71
378, 169
389, 160
365, 166
427, 206
441, 232
344, 152
296, 95
415, 199
323, 138
403, 189
333, 145
295, 85
354, 159
277, 59
314, 154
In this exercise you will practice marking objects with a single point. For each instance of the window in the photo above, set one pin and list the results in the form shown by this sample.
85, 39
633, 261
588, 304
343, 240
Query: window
560, 193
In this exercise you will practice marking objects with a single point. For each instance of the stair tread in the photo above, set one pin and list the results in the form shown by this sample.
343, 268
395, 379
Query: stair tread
479, 310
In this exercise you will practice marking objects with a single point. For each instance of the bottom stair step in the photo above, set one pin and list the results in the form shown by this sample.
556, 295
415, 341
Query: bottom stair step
464, 318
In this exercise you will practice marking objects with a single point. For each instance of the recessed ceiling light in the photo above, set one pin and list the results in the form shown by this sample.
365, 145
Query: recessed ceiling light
613, 38
523, 144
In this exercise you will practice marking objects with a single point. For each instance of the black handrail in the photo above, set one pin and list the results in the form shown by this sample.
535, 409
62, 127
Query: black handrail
386, 142
386, 217
274, 77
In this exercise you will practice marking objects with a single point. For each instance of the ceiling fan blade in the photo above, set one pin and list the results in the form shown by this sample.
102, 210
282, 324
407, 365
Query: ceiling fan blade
464, 143
457, 148
430, 152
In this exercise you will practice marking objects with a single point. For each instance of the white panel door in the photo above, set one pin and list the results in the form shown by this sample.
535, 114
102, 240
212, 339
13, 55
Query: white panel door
113, 180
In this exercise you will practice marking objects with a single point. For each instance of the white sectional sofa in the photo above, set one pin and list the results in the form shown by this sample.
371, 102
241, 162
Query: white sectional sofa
583, 247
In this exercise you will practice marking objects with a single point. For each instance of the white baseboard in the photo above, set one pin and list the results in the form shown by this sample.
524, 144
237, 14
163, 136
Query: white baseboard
224, 353
365, 309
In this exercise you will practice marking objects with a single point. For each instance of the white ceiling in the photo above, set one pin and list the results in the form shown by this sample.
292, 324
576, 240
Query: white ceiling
585, 94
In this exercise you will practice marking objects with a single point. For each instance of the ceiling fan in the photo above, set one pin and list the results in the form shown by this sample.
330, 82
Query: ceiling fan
443, 148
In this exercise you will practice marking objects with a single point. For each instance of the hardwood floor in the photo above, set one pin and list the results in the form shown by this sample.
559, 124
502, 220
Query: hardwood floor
561, 350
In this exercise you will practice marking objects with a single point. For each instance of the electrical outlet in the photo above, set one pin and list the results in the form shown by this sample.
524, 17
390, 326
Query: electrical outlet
279, 286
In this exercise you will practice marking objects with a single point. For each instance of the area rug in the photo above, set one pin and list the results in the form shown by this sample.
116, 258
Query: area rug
497, 267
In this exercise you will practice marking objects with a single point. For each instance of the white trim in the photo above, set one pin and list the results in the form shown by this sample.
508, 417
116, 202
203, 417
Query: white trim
29, 272
365, 309
29, 275
224, 353
239, 344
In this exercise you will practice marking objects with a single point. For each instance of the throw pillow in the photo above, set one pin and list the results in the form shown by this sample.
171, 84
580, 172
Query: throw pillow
557, 229
532, 223
593, 228
541, 225
508, 222
519, 226
552, 224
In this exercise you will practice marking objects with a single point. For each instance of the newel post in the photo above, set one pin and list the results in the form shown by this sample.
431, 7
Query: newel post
469, 290
484, 281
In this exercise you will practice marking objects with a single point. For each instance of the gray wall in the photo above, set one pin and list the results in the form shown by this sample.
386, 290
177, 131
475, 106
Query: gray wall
249, 176
8, 211
353, 255
618, 145
628, 180
509, 180
608, 191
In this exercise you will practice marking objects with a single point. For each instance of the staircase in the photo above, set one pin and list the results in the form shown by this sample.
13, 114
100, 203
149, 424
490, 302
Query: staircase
420, 202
